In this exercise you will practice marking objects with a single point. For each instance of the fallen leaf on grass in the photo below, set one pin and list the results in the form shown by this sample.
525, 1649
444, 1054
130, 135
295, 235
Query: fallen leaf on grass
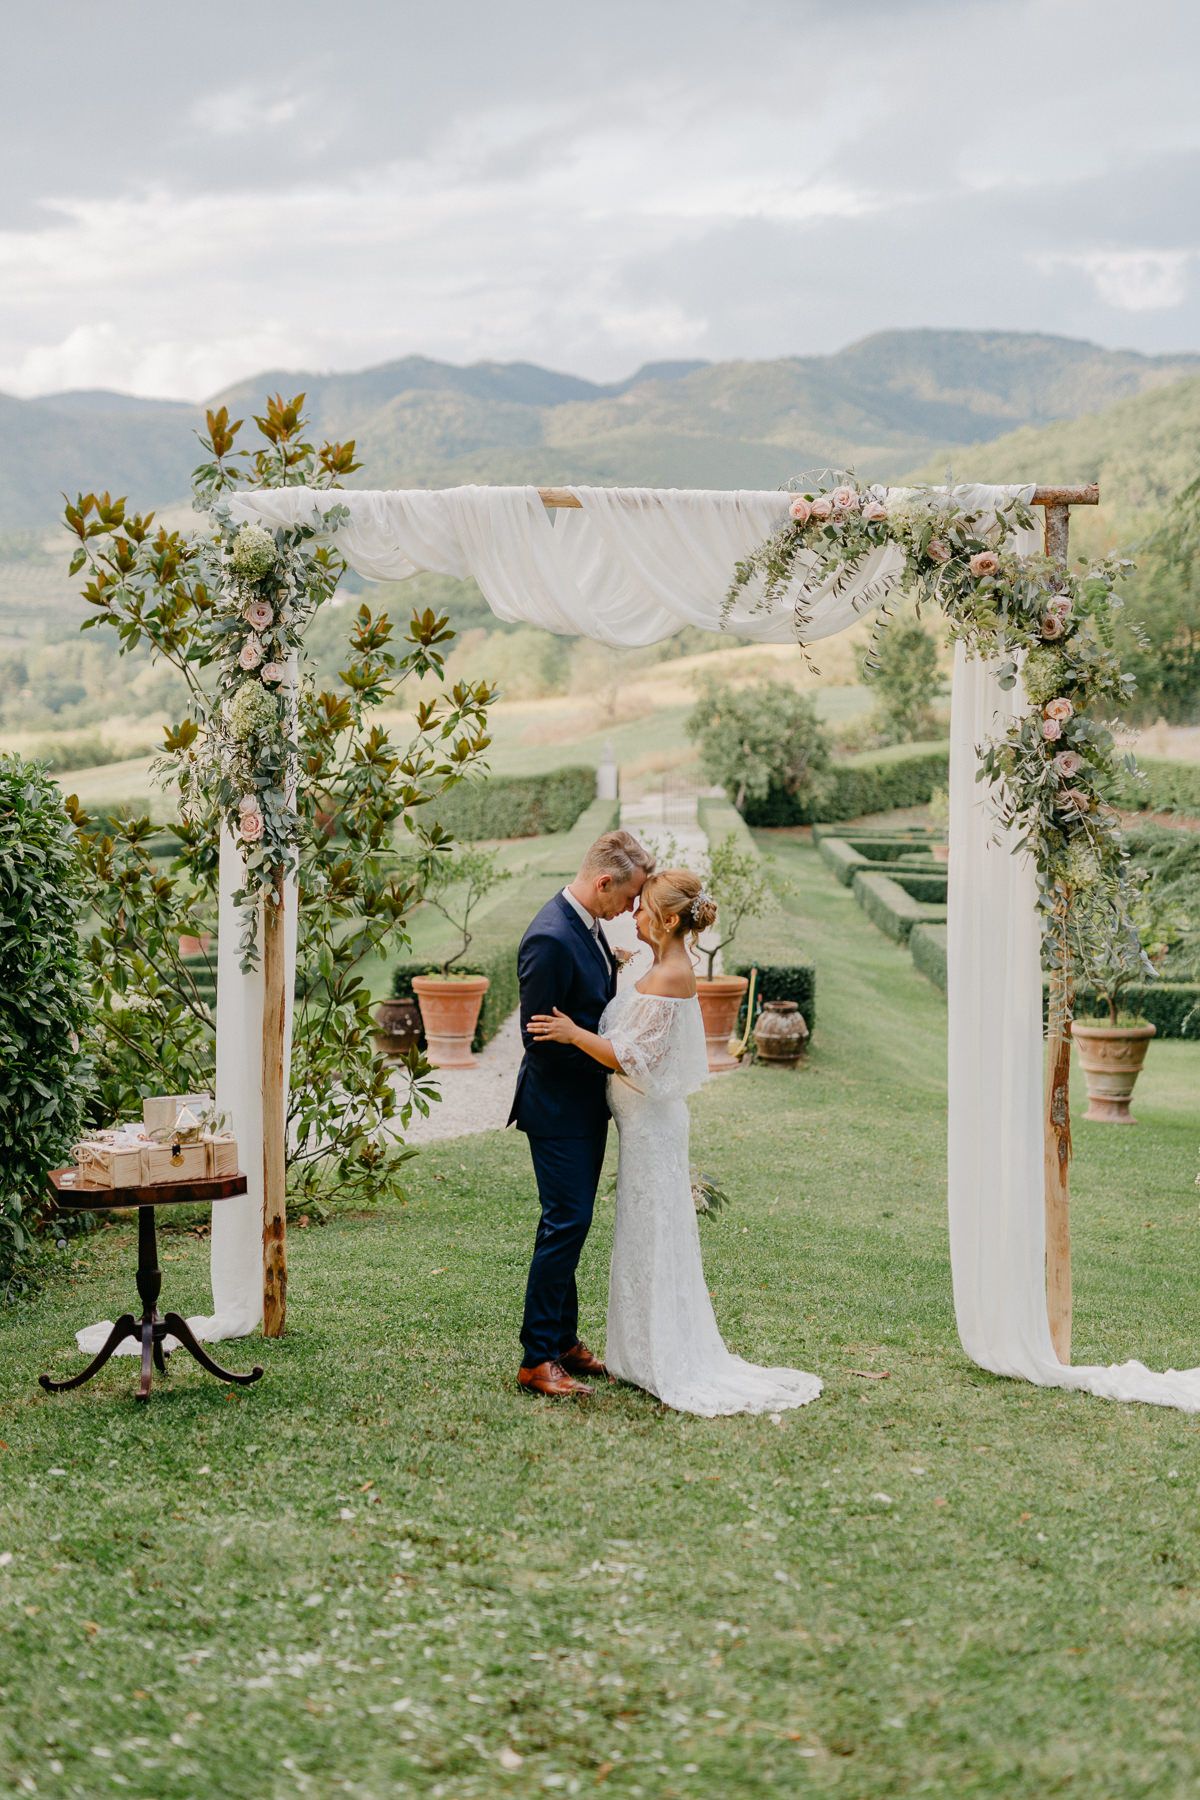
871, 1374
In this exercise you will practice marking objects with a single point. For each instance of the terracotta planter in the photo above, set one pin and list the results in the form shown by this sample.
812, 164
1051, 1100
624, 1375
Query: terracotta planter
399, 1023
1111, 1057
781, 1034
450, 1013
941, 853
195, 946
720, 998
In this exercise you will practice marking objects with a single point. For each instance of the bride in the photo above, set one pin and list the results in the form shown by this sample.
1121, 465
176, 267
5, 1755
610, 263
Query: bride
662, 1334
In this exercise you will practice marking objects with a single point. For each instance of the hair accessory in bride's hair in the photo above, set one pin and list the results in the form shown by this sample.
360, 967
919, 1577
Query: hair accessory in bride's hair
702, 901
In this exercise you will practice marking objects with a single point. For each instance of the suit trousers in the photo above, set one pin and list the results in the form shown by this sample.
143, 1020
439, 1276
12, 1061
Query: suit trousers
568, 1174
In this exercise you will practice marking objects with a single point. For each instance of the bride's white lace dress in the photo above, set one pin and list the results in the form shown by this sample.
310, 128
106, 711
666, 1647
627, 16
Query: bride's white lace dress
662, 1334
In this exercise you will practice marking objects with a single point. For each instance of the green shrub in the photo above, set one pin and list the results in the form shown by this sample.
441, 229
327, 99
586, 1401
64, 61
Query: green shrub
928, 885
927, 944
514, 806
44, 1075
876, 781
887, 905
760, 739
902, 668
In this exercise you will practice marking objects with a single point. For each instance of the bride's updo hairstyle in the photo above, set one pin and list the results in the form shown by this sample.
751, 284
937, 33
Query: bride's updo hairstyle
682, 895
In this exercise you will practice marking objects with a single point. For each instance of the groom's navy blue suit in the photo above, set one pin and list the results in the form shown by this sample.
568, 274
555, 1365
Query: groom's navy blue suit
560, 1104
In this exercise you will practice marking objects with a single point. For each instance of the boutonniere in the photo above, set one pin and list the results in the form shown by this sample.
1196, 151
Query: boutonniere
621, 956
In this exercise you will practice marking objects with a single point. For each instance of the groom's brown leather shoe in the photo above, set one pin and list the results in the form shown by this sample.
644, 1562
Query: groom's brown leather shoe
579, 1360
552, 1380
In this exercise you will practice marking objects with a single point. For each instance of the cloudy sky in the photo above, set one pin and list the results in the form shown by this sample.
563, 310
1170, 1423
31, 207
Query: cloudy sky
193, 194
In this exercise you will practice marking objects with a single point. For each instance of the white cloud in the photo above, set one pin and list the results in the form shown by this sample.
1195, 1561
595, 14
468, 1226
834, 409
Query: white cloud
1132, 281
241, 111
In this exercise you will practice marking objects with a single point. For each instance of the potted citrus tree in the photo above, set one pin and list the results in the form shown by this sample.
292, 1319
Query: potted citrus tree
739, 887
449, 996
1112, 1050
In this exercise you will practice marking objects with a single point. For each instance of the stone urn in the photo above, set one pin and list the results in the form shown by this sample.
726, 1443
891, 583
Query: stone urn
781, 1033
720, 998
1111, 1057
450, 1012
399, 1026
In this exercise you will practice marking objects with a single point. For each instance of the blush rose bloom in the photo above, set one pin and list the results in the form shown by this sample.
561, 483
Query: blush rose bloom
1068, 763
984, 562
274, 671
1051, 730
821, 507
800, 510
248, 803
1076, 797
845, 499
938, 551
1052, 626
1062, 604
1062, 710
251, 654
251, 827
259, 614
874, 512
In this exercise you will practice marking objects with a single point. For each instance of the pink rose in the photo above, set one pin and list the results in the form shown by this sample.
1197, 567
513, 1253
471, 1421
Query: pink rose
1077, 797
1068, 763
1052, 626
248, 803
845, 499
800, 510
937, 551
1062, 710
1051, 730
274, 671
259, 614
984, 562
1061, 604
251, 654
251, 827
821, 507
874, 512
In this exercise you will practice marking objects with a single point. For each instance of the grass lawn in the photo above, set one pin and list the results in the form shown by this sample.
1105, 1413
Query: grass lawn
386, 1572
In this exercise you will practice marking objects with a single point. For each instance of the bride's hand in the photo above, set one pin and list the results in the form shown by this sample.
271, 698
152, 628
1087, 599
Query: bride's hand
553, 1028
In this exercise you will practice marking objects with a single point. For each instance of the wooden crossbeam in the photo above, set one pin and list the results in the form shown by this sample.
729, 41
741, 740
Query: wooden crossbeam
1088, 495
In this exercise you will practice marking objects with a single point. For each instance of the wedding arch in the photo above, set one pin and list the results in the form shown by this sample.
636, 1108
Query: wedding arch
630, 566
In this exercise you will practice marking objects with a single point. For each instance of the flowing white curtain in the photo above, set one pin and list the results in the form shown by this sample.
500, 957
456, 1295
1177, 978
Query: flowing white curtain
630, 566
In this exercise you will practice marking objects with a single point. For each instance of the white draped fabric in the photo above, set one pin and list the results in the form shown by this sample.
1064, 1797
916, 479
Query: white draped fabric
630, 566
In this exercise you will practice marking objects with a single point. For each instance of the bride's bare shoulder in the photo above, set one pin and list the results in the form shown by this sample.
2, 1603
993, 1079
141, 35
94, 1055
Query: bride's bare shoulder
669, 984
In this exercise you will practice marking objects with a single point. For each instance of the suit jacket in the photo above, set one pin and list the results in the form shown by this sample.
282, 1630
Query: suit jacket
561, 1091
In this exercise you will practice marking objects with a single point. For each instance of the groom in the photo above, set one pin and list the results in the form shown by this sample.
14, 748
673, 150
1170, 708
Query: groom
560, 1104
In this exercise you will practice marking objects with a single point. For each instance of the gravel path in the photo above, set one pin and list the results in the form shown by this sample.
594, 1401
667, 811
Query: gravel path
477, 1099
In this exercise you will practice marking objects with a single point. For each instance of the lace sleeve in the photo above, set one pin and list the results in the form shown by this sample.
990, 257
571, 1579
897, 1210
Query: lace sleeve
641, 1037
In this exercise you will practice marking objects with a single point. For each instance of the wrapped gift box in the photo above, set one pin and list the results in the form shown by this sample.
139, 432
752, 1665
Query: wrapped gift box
160, 1111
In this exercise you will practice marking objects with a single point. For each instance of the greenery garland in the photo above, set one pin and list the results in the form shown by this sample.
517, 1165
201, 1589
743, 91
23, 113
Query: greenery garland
1053, 771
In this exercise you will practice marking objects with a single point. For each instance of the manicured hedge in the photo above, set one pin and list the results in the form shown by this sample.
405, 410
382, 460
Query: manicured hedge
719, 819
916, 835
928, 885
872, 782
1168, 787
887, 905
846, 855
928, 946
514, 806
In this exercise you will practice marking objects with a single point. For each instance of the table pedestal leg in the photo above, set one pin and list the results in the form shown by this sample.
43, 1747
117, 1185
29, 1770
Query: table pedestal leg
126, 1326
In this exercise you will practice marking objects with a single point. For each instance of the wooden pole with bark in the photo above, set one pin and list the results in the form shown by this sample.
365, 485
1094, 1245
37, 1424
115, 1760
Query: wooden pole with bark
1057, 1133
274, 1140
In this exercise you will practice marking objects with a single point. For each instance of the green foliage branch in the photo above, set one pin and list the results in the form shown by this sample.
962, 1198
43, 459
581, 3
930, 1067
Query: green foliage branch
249, 743
1053, 770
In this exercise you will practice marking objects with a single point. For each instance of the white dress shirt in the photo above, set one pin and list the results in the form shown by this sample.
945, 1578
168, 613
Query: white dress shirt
589, 919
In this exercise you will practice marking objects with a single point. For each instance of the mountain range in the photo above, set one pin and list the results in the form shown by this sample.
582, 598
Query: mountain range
894, 402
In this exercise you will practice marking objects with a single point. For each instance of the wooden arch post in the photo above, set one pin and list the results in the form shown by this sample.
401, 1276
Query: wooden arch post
274, 1109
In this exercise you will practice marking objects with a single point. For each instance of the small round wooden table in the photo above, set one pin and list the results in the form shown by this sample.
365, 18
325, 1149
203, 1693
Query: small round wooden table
72, 1196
